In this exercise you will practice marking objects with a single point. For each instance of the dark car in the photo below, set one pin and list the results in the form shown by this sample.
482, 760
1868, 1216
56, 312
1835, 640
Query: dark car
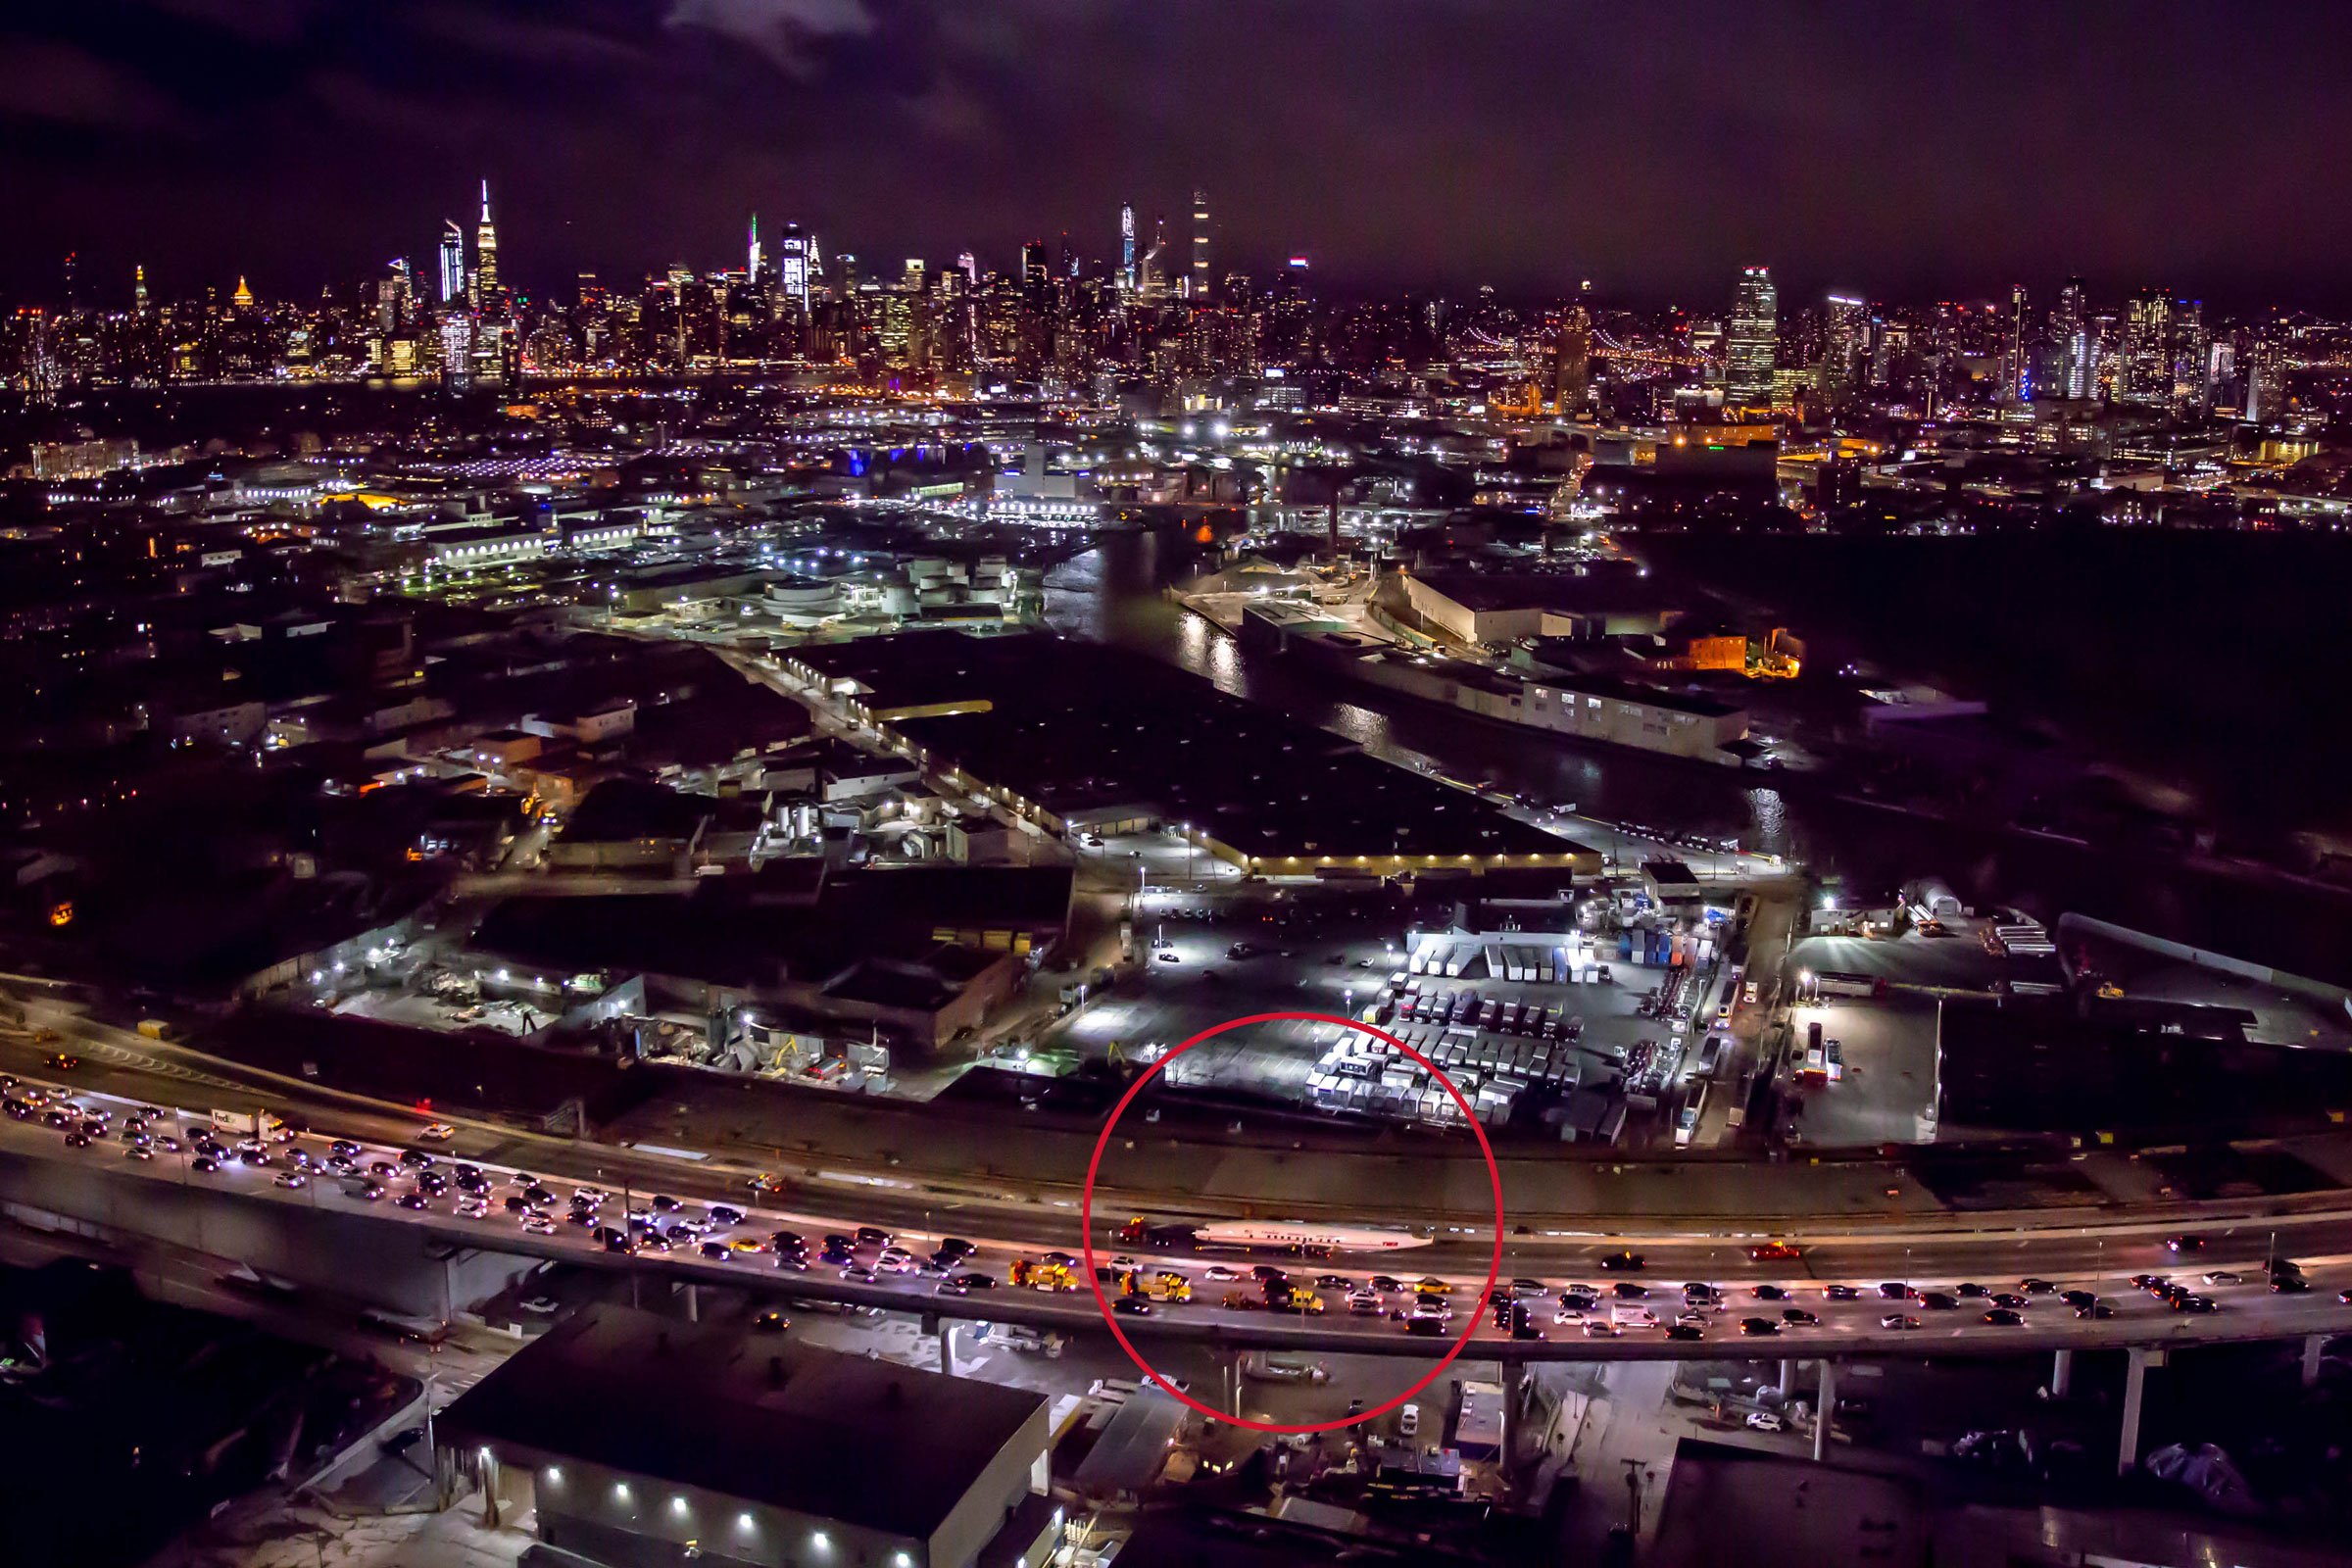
726, 1214
2012, 1300
973, 1281
78, 1139
1628, 1290
2004, 1318
2192, 1303
1685, 1331
1970, 1290
1893, 1291
2184, 1244
2034, 1286
2095, 1309
1132, 1307
1840, 1293
956, 1245
414, 1201
204, 1164
1622, 1262
1758, 1326
416, 1158
716, 1252
874, 1236
1768, 1293
1937, 1300
1798, 1316
2077, 1298
2289, 1284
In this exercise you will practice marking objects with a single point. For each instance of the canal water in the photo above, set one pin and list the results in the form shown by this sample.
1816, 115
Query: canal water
1115, 594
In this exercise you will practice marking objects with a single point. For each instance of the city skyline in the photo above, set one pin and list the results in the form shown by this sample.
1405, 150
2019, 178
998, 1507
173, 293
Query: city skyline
297, 146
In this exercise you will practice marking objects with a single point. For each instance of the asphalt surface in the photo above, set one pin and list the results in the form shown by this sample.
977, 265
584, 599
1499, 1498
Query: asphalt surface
2245, 1308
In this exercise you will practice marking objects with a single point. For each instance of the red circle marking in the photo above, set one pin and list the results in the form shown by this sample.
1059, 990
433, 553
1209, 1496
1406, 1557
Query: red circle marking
1086, 1220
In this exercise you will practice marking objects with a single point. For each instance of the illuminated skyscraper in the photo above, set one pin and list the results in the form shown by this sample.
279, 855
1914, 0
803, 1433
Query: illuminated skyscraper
2190, 356
1752, 345
796, 265
1572, 363
1127, 276
1844, 348
1154, 281
2146, 377
1200, 278
485, 256
138, 290
453, 260
2070, 331
2017, 349
1034, 267
751, 257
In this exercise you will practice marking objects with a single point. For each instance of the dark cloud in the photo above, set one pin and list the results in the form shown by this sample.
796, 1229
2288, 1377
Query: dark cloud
1655, 148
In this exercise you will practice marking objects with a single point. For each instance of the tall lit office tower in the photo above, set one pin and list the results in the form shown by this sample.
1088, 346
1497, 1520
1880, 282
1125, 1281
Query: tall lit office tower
138, 290
452, 262
2017, 351
1127, 277
2260, 363
752, 256
485, 255
1753, 342
1035, 269
1200, 278
1845, 347
2070, 333
1153, 270
2147, 366
969, 265
2190, 356
1572, 363
794, 257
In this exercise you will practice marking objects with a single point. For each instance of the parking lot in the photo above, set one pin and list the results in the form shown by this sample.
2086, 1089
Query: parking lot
1203, 962
1888, 1076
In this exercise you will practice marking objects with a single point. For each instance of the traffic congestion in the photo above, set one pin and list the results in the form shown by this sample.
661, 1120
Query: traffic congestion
1146, 1271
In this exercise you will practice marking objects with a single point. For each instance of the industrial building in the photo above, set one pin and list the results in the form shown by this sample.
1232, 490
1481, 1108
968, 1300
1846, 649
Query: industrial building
638, 1442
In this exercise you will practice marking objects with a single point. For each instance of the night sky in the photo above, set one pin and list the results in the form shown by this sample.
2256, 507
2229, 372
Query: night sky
1904, 149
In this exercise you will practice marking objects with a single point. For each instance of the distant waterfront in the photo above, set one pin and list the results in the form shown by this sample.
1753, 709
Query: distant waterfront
1113, 594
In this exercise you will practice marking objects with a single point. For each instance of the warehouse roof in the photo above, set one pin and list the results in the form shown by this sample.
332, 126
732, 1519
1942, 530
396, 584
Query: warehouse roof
705, 1406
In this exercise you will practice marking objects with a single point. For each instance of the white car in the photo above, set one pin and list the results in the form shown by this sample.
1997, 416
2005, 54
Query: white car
1364, 1304
438, 1132
1763, 1421
1219, 1273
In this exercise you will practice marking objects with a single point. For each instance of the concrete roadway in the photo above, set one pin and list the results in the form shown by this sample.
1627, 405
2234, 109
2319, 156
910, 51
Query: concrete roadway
1846, 1329
1988, 1247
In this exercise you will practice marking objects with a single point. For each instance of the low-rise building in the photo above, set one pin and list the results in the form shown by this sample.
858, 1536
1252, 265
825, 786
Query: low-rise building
636, 1441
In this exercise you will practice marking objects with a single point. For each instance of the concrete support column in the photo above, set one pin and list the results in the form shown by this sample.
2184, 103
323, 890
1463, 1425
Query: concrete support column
1238, 1357
1514, 1401
2312, 1345
1788, 1379
946, 1350
694, 1302
489, 1493
2062, 1374
2136, 1374
1825, 1411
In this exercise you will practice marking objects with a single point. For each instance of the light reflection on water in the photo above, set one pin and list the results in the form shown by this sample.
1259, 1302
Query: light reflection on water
1113, 594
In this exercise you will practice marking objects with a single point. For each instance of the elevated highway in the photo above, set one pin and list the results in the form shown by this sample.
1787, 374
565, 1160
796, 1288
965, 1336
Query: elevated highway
101, 1187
